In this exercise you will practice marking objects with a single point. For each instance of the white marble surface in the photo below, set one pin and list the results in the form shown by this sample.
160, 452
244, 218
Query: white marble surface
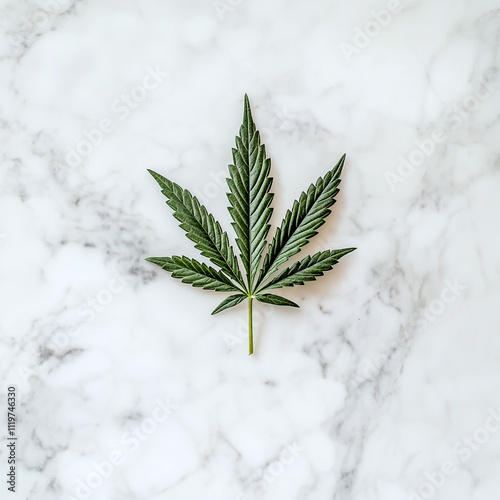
382, 386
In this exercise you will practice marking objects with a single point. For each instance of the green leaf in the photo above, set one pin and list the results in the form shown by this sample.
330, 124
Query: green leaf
231, 301
308, 269
200, 227
195, 273
249, 195
300, 224
250, 209
276, 300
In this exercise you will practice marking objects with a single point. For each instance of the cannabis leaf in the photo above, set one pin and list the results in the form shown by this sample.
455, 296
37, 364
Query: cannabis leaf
250, 208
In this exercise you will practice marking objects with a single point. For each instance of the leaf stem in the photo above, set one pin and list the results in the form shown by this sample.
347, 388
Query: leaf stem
250, 326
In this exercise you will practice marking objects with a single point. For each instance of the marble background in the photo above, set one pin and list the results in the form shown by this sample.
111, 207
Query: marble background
385, 384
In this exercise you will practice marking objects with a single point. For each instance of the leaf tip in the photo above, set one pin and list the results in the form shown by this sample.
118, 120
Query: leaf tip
247, 110
340, 165
156, 176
